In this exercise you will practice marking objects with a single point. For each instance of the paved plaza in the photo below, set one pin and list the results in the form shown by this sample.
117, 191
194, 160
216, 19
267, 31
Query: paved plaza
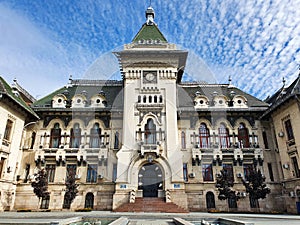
44, 218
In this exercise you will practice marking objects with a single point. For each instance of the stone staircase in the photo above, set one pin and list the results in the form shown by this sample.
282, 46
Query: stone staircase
151, 205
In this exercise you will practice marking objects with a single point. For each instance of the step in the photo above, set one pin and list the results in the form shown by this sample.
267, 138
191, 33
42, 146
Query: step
150, 205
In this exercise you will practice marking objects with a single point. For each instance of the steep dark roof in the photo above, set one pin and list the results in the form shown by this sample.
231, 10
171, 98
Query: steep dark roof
111, 89
187, 93
14, 95
283, 95
149, 33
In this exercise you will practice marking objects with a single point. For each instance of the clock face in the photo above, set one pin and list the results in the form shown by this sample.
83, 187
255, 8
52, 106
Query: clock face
150, 77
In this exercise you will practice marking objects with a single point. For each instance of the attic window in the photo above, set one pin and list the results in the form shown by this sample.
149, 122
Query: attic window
78, 100
59, 100
220, 102
98, 101
239, 101
201, 102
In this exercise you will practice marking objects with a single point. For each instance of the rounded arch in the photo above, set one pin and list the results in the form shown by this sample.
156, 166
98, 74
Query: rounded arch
89, 200
74, 121
150, 179
59, 101
137, 164
201, 101
98, 100
239, 121
224, 121
220, 100
206, 121
150, 115
93, 121
77, 96
210, 200
54, 121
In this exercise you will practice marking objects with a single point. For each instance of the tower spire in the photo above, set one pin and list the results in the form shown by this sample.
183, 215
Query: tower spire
150, 15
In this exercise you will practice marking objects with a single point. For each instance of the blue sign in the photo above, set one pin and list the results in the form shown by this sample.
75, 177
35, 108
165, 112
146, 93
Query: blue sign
176, 185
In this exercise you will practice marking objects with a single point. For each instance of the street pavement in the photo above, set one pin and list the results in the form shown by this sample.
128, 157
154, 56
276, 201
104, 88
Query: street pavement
45, 218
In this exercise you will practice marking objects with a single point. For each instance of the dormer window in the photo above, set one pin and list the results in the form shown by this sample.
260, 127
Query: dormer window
220, 101
201, 101
98, 101
59, 101
78, 101
239, 101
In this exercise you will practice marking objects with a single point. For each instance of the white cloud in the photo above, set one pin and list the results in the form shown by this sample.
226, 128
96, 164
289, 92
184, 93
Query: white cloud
39, 63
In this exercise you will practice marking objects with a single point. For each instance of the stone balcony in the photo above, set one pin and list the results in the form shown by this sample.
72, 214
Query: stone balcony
152, 106
82, 153
217, 153
149, 148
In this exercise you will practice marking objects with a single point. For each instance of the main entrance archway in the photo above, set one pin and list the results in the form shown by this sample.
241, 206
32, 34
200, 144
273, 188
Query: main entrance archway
150, 179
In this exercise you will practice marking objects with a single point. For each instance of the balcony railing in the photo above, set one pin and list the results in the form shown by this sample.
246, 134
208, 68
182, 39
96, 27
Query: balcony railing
218, 153
61, 154
149, 148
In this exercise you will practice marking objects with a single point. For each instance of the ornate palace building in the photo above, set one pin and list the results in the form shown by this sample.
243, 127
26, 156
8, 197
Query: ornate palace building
150, 135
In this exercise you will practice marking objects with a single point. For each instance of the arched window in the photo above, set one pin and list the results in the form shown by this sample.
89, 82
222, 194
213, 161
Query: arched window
155, 99
203, 136
67, 202
210, 200
89, 200
150, 132
45, 202
183, 142
243, 136
55, 136
95, 136
116, 144
150, 99
253, 202
160, 99
75, 136
139, 99
144, 99
223, 136
232, 202
33, 135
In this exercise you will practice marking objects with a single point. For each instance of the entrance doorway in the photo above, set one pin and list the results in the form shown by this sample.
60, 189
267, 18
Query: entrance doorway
150, 180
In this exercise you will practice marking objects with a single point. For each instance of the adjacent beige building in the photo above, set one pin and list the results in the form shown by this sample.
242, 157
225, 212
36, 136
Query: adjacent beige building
284, 117
15, 115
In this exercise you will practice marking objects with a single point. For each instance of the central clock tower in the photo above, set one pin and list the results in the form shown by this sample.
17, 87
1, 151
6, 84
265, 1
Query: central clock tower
151, 68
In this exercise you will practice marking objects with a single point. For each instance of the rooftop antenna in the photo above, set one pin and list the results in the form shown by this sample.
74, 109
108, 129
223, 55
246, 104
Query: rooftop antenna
229, 80
283, 81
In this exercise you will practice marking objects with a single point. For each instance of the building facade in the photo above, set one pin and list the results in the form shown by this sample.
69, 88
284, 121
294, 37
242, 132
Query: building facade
151, 135
15, 115
284, 116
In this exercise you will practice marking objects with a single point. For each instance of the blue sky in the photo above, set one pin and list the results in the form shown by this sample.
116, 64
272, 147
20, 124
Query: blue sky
257, 42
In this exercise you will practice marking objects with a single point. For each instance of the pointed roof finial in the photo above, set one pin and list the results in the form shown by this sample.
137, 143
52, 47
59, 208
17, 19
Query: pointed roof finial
150, 15
283, 81
229, 80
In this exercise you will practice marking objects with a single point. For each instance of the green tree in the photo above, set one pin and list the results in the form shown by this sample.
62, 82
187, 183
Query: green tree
255, 185
71, 189
40, 185
225, 186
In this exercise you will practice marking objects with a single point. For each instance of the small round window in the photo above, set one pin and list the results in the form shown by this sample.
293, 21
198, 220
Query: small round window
239, 101
201, 102
220, 102
59, 100
98, 101
78, 100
